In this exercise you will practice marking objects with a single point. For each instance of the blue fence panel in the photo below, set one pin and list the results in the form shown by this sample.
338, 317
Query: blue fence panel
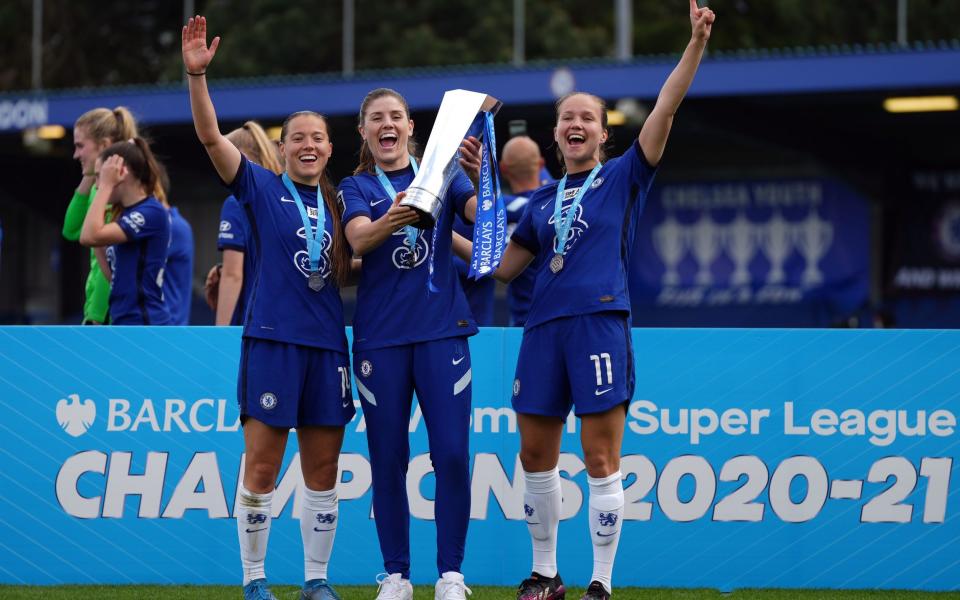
752, 458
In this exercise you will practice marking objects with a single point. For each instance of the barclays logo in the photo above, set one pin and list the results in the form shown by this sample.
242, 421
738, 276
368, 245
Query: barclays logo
76, 417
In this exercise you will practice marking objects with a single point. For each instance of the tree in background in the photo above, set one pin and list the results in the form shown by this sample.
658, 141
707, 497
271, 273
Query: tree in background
104, 44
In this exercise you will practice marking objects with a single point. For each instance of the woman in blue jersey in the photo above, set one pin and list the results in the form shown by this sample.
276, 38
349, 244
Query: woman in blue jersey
580, 229
137, 237
410, 337
294, 368
234, 239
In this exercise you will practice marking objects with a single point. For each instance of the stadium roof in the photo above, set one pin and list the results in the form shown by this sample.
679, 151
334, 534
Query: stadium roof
925, 65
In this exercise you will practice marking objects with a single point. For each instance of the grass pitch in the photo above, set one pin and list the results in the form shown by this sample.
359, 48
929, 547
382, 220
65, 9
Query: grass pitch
425, 592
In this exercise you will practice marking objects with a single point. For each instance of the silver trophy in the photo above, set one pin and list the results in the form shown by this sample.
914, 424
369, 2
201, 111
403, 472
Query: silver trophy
456, 119
814, 237
670, 242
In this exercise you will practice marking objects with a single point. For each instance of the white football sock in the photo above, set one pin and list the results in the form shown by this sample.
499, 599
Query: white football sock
542, 501
318, 526
253, 529
606, 516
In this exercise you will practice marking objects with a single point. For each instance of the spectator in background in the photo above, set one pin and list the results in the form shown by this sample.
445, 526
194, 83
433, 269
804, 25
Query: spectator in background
234, 274
93, 132
178, 274
137, 236
522, 167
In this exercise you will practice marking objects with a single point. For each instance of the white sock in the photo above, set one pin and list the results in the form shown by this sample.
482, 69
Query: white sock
253, 529
606, 516
542, 500
318, 527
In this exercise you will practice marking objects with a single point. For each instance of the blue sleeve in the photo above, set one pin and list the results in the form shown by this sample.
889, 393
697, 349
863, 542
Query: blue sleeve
525, 234
351, 201
633, 163
249, 180
461, 190
233, 226
144, 222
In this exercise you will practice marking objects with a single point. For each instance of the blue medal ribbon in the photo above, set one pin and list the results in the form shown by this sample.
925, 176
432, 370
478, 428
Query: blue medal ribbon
409, 230
314, 237
561, 222
490, 228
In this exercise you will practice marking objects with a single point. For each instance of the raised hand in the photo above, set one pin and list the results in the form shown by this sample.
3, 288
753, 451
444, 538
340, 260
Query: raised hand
471, 153
196, 54
701, 20
112, 172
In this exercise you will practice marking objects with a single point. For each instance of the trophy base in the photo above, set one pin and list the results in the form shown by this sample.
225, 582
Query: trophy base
425, 204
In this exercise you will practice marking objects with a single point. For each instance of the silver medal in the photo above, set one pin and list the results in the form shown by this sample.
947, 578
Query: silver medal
556, 263
315, 281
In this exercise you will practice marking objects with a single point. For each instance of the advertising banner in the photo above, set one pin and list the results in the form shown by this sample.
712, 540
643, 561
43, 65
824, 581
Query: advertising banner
750, 253
751, 458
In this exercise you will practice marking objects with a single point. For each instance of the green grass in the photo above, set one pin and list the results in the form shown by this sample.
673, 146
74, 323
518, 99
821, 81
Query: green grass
425, 592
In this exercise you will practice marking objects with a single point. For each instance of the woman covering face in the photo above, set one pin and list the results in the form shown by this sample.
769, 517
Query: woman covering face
294, 369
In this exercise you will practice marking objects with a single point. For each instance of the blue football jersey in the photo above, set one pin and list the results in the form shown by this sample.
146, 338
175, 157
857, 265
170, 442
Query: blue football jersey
594, 274
178, 276
394, 305
282, 307
137, 265
479, 292
520, 290
235, 235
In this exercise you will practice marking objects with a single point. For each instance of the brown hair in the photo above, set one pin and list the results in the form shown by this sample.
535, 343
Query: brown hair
603, 122
339, 253
105, 124
141, 164
367, 162
252, 141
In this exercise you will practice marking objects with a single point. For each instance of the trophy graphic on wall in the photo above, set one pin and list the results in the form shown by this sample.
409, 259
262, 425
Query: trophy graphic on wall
705, 238
813, 237
456, 119
740, 241
775, 238
669, 242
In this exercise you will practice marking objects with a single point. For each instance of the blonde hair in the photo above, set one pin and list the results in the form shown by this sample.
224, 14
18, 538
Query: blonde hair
253, 142
104, 124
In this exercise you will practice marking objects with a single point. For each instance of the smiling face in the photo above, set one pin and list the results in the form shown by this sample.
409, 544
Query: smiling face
386, 128
306, 148
86, 149
580, 131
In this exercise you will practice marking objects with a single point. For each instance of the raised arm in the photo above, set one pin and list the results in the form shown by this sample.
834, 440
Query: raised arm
95, 232
196, 58
656, 130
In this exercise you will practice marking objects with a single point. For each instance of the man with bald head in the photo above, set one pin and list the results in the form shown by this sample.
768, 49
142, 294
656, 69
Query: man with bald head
522, 165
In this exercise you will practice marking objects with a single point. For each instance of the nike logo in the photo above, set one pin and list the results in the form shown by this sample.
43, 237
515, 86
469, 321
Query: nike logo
317, 529
457, 361
378, 201
545, 204
284, 199
601, 392
346, 404
607, 534
255, 530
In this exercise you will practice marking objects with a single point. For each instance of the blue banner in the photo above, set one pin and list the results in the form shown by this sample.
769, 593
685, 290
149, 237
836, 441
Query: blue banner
751, 253
752, 458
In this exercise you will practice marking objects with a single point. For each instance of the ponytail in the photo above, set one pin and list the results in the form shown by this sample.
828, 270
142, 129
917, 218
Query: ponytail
253, 142
105, 124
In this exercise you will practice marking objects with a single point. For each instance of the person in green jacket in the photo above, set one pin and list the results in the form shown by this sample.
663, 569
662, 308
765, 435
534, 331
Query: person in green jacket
93, 132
